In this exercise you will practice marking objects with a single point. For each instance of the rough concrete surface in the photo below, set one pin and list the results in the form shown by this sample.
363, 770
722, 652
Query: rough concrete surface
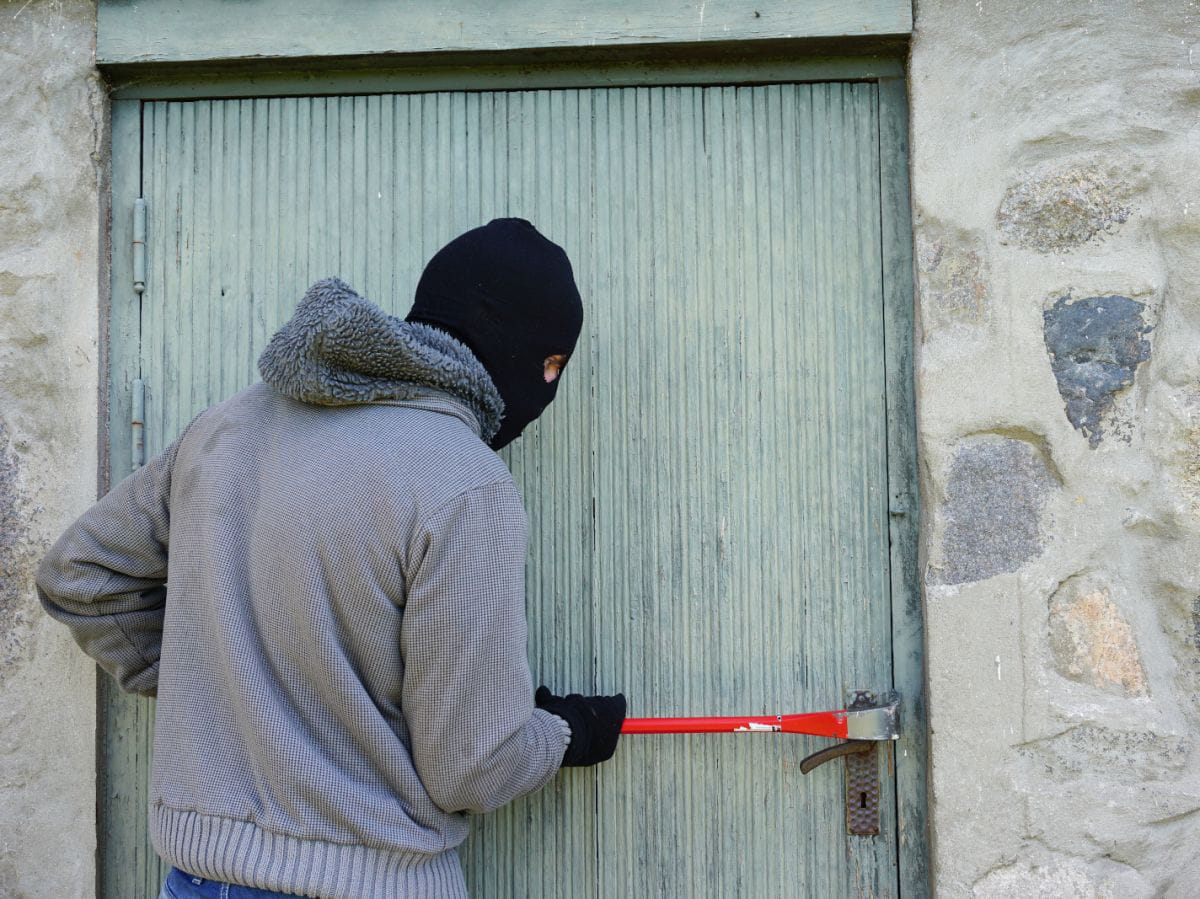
1054, 159
1066, 877
52, 111
18, 555
953, 280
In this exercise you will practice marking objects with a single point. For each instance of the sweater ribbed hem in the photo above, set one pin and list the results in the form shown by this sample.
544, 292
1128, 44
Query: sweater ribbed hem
241, 852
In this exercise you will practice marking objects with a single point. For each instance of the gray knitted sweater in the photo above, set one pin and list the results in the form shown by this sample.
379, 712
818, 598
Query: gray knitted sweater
323, 581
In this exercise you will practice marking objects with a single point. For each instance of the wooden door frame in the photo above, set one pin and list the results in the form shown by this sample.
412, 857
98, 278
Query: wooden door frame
883, 63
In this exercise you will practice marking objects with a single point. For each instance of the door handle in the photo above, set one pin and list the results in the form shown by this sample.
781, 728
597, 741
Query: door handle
836, 751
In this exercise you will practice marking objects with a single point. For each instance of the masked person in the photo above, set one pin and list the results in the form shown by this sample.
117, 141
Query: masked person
322, 580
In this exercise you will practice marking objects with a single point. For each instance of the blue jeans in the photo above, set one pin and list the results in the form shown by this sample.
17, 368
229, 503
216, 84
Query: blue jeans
181, 885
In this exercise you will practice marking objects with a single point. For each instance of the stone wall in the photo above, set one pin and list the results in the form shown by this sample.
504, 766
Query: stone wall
52, 152
1056, 190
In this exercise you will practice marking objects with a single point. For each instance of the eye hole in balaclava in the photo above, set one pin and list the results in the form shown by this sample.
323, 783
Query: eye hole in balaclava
552, 367
509, 294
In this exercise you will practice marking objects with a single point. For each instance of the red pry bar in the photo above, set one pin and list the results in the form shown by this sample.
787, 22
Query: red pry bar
817, 724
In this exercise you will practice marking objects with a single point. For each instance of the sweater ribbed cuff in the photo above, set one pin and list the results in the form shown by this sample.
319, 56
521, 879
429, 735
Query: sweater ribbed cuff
560, 734
554, 737
241, 852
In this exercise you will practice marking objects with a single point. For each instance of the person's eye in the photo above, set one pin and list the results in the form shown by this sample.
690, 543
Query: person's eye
552, 367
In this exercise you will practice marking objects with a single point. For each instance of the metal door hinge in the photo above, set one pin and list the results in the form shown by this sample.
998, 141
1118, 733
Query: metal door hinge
139, 246
137, 424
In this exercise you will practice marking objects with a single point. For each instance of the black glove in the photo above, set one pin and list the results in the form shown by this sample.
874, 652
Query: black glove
595, 723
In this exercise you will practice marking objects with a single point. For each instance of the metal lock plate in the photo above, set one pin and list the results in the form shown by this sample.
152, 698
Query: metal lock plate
862, 792
862, 781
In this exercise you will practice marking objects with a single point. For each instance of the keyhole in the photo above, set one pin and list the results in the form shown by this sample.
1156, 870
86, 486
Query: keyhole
862, 800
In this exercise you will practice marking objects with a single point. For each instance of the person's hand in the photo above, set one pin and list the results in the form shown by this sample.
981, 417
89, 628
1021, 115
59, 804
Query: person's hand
595, 723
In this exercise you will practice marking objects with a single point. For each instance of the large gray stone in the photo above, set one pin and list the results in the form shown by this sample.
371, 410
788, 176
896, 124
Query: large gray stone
1062, 209
995, 496
1091, 640
1095, 345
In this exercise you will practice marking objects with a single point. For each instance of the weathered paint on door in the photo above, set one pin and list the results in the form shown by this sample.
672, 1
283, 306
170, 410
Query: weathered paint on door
708, 497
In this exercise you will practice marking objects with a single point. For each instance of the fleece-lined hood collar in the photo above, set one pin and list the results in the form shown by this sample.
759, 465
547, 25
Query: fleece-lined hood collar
340, 349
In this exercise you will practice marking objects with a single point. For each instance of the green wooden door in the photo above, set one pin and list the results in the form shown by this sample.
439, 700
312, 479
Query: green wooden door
709, 496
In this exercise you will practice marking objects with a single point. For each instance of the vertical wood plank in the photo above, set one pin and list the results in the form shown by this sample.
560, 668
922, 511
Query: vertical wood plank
646, 481
121, 781
526, 849
908, 637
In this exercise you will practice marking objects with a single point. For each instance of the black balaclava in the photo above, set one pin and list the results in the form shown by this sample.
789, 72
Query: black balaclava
509, 294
